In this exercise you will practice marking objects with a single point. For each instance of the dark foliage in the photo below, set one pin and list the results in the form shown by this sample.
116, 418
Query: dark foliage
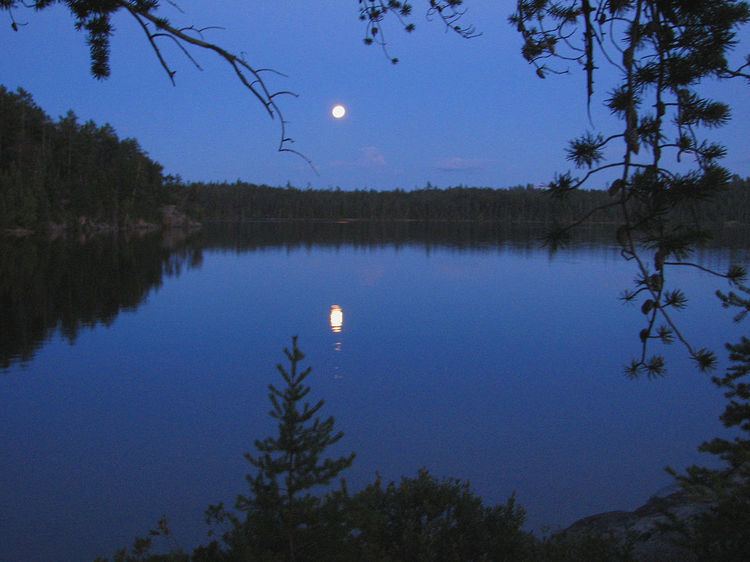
284, 519
523, 204
418, 519
375, 12
68, 172
722, 532
287, 516
663, 54
241, 201
426, 519
585, 548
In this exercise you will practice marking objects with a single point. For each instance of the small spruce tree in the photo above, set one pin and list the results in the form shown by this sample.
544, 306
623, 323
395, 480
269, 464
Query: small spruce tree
283, 515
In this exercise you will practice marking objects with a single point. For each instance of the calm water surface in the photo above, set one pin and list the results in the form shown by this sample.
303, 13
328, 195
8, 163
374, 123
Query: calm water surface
133, 373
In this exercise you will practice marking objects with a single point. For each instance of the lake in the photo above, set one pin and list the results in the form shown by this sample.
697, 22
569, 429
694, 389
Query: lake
134, 371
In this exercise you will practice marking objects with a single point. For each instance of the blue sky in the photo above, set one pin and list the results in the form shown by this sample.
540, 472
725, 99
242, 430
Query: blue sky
453, 111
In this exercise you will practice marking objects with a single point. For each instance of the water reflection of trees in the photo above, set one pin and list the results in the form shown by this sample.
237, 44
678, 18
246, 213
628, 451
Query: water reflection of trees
248, 236
461, 235
68, 285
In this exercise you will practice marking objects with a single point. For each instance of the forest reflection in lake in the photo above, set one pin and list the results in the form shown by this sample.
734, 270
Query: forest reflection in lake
69, 284
133, 370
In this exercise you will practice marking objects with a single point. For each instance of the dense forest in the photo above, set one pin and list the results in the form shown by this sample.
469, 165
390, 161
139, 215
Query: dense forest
60, 172
66, 173
523, 204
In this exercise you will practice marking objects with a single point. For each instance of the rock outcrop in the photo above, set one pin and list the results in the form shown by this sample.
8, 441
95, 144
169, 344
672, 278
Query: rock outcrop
641, 529
173, 218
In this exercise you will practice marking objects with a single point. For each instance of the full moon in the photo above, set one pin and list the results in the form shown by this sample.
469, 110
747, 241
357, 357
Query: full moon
338, 111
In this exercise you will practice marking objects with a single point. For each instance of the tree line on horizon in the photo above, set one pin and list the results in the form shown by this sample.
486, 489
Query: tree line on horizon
241, 201
69, 173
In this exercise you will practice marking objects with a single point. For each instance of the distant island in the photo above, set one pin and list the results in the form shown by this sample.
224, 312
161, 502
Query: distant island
66, 175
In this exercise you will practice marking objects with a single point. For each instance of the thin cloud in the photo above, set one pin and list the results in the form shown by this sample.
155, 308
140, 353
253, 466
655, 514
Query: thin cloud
369, 157
458, 164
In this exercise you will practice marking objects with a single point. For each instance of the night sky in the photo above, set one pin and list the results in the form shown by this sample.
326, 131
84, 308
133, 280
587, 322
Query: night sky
453, 111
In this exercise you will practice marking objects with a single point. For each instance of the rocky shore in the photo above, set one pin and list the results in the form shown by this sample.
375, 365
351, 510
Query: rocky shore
171, 218
641, 528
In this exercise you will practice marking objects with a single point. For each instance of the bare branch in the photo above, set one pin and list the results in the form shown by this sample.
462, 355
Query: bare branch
154, 46
250, 77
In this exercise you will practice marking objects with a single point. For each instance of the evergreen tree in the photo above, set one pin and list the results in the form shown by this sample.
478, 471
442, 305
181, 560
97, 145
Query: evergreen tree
69, 173
241, 201
722, 532
283, 515
664, 52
